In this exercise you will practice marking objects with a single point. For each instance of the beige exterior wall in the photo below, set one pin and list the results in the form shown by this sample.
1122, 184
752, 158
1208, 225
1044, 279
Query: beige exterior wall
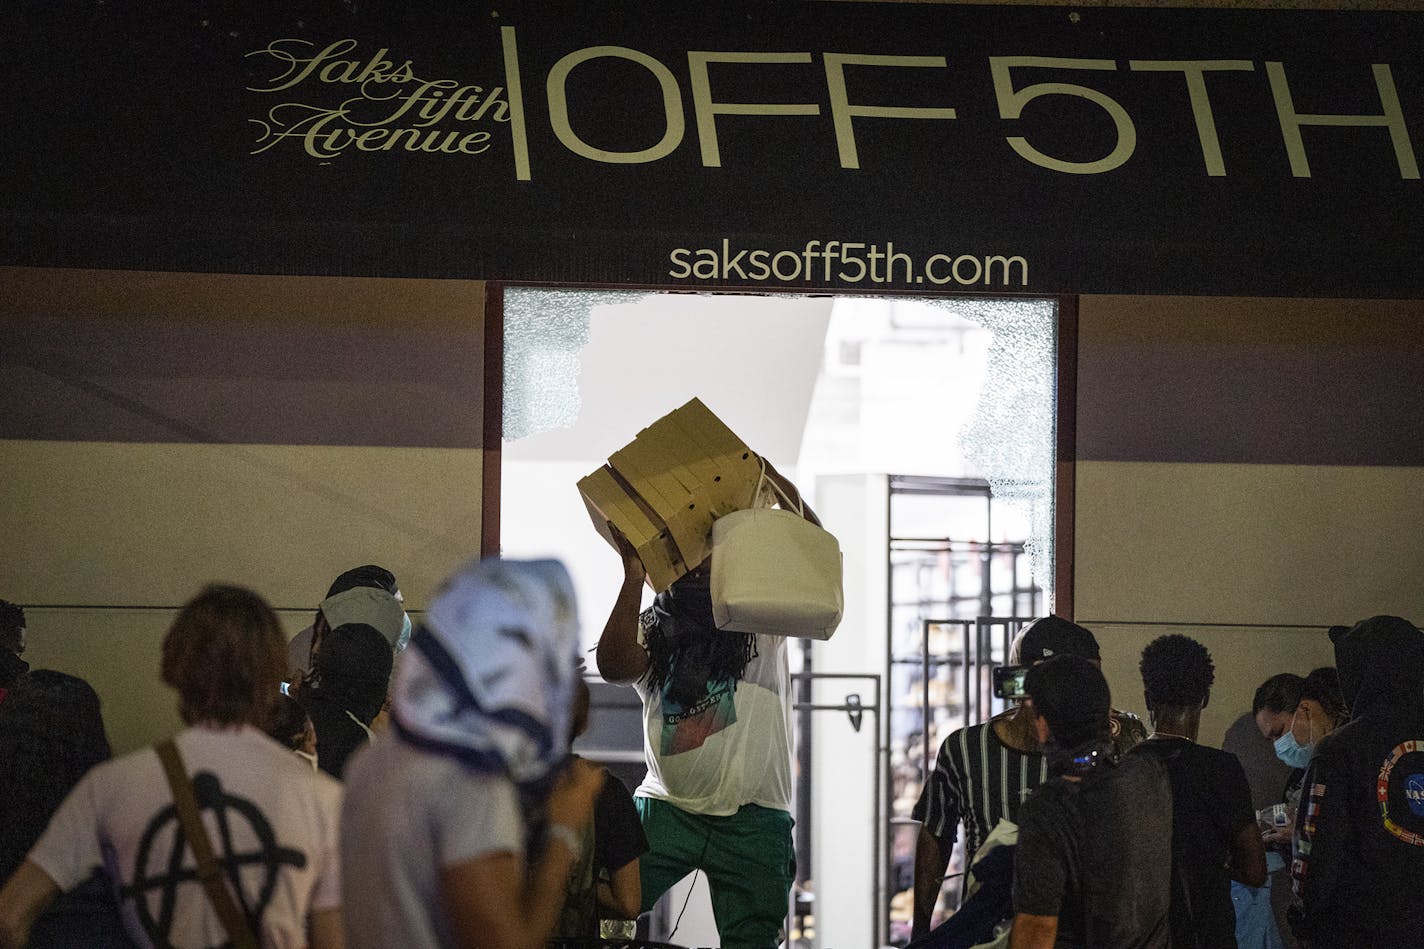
1252, 559
105, 530
104, 540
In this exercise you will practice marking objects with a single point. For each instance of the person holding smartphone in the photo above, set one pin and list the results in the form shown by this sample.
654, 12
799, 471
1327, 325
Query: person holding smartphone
984, 772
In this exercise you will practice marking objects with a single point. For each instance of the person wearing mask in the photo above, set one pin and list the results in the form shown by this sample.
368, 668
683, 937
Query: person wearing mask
1260, 910
1359, 834
1319, 708
460, 828
1293, 713
1214, 835
984, 772
225, 654
1296, 729
1093, 865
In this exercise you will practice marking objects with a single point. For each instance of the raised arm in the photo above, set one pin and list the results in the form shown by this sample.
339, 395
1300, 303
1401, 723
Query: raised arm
620, 657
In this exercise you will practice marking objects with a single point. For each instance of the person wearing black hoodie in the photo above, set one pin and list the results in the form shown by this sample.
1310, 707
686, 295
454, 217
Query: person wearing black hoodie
1359, 833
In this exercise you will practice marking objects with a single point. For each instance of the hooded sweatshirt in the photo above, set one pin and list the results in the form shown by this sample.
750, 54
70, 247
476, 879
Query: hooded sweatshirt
1359, 836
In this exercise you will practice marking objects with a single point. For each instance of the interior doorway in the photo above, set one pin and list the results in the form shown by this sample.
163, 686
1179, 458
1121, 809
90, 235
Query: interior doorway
850, 397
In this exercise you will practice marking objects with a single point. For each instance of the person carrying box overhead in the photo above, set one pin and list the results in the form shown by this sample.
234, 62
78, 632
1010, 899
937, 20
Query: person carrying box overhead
717, 739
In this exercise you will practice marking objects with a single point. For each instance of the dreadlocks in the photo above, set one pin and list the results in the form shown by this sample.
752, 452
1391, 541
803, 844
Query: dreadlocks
685, 649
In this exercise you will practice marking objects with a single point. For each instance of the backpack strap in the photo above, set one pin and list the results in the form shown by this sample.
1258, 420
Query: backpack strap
209, 872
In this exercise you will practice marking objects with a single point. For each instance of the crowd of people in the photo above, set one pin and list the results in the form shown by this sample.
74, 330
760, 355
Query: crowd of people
1082, 833
374, 784
321, 801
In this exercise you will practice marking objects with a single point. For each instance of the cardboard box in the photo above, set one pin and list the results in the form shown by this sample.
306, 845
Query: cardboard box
607, 499
664, 489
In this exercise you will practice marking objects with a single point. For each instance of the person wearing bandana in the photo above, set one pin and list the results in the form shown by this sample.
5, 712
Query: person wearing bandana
460, 827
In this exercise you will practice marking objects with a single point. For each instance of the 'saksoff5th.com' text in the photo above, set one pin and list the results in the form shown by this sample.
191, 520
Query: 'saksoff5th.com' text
846, 262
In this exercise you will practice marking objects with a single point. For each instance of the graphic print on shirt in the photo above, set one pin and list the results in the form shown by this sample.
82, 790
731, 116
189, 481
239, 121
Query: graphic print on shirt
165, 862
687, 727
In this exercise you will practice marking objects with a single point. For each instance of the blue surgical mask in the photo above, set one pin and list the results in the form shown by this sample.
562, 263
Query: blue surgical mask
1291, 751
403, 639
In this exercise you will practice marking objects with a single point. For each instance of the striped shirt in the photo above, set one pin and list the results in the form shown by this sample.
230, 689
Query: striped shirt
979, 780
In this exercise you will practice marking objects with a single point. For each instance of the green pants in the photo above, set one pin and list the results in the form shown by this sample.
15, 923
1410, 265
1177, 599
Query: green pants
748, 857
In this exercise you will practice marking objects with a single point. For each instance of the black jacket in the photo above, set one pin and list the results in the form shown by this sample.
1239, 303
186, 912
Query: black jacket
1359, 835
11, 668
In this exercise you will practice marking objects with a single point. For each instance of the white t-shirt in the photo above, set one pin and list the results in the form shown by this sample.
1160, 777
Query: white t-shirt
731, 748
408, 815
270, 818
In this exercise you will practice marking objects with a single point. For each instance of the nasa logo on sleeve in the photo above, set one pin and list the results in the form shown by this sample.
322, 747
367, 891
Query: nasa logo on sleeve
1400, 792
1414, 793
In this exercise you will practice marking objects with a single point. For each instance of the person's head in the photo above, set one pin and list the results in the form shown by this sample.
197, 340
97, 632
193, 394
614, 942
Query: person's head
368, 605
367, 575
1177, 673
1051, 636
1381, 663
12, 627
1275, 702
1069, 701
353, 669
686, 650
290, 726
489, 678
226, 655
1322, 706
1294, 713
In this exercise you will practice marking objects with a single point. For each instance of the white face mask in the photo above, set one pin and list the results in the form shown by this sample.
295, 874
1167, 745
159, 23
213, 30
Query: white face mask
302, 754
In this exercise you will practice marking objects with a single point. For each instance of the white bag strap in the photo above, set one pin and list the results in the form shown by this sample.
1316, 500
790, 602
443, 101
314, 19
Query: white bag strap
785, 500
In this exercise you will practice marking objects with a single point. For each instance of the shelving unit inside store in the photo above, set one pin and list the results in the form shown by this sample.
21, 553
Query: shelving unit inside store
956, 599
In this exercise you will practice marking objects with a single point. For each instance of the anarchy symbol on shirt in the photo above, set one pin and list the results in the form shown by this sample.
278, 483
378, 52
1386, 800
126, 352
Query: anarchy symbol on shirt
179, 868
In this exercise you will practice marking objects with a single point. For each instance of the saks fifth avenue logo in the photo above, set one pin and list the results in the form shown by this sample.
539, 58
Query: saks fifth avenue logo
336, 100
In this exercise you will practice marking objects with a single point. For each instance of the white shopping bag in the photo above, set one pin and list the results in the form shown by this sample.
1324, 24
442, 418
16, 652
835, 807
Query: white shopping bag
775, 572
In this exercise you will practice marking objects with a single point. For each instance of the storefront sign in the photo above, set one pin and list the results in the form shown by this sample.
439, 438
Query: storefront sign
857, 147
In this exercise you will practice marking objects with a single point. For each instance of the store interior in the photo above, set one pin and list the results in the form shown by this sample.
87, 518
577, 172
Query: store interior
921, 431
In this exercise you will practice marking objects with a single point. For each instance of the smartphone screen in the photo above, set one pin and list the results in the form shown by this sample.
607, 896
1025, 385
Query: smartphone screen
1009, 682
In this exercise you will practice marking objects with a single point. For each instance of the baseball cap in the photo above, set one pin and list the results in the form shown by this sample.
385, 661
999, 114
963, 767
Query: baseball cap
1055, 636
368, 605
367, 575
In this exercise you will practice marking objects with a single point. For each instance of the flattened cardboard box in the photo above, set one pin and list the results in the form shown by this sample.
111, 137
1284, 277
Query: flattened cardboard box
664, 489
